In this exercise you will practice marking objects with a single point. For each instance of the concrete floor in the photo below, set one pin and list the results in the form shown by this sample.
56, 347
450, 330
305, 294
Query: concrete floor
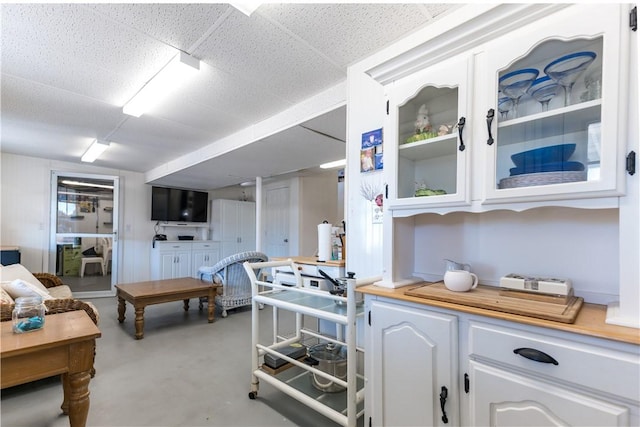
185, 372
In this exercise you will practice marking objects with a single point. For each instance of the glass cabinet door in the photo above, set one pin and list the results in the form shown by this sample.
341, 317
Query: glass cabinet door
428, 125
549, 116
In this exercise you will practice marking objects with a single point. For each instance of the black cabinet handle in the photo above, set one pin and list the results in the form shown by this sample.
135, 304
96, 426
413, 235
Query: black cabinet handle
535, 355
443, 399
461, 123
490, 114
631, 162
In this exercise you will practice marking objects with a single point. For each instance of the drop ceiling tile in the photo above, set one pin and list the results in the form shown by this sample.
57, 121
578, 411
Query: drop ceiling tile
347, 32
178, 25
222, 91
76, 37
157, 135
278, 61
66, 72
55, 107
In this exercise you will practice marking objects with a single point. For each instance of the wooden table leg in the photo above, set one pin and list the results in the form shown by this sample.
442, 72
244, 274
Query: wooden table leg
75, 385
211, 305
121, 309
78, 398
139, 322
186, 304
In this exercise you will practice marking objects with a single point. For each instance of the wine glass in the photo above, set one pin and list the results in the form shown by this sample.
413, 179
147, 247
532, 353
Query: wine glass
566, 70
505, 104
516, 83
542, 90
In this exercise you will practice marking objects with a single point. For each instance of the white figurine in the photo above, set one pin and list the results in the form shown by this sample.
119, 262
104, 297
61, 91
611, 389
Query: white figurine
422, 120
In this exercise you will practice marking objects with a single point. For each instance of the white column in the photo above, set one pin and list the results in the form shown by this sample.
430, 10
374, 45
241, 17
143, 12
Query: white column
259, 220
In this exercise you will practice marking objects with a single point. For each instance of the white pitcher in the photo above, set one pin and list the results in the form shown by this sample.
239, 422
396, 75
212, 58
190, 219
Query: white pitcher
452, 265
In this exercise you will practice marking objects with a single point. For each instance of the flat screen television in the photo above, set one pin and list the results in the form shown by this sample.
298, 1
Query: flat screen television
174, 204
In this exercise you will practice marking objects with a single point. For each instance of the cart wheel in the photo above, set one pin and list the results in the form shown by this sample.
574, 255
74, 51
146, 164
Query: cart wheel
224, 313
260, 306
252, 395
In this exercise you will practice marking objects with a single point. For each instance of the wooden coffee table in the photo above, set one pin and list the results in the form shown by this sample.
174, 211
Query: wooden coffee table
65, 345
142, 294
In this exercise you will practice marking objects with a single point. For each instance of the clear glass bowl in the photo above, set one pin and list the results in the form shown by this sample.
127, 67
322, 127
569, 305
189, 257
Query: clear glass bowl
543, 90
505, 105
566, 70
516, 83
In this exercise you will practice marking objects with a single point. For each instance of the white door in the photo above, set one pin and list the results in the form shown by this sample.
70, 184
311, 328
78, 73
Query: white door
276, 227
84, 225
411, 367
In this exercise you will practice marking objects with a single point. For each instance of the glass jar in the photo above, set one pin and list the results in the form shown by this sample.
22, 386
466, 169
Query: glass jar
28, 314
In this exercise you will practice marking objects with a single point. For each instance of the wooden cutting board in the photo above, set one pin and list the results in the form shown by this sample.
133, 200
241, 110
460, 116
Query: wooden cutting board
489, 297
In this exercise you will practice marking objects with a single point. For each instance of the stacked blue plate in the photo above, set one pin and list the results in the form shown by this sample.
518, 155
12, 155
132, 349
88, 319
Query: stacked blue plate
545, 159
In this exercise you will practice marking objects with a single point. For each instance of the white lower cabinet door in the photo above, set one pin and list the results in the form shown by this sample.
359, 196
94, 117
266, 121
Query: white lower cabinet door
411, 367
503, 398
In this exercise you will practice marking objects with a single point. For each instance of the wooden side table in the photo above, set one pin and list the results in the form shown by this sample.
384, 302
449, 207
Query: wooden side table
65, 346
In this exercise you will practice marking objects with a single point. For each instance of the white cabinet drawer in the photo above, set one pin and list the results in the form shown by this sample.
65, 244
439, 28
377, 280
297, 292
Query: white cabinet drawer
173, 246
599, 368
204, 246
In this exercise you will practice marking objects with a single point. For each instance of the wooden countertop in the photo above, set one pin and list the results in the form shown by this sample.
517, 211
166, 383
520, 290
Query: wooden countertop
312, 261
590, 320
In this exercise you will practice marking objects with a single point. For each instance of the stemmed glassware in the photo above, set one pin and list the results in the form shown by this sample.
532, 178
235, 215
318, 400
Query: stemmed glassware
542, 90
516, 83
505, 105
566, 70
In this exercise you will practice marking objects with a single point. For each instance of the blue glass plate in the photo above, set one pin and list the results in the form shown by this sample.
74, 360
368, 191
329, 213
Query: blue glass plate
544, 155
547, 167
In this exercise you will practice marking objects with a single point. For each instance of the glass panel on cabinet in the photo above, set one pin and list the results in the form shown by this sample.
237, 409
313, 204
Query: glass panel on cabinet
549, 114
427, 143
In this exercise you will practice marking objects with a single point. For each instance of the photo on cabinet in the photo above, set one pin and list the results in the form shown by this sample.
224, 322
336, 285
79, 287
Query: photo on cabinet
371, 138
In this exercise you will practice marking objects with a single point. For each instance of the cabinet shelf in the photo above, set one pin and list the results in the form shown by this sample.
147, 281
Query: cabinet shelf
549, 124
429, 148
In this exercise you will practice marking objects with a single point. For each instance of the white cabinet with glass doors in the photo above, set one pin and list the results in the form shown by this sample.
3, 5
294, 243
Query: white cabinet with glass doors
498, 119
428, 126
556, 92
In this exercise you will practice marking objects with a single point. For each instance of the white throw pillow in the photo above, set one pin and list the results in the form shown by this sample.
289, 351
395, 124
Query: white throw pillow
19, 288
9, 273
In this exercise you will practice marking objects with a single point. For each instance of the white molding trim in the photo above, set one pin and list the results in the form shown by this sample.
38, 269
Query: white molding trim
463, 37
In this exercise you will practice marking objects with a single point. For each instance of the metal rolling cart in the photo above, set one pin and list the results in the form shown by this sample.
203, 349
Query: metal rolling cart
295, 380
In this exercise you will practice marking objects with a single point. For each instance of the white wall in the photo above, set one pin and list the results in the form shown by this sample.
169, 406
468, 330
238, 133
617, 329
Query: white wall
579, 244
318, 203
24, 213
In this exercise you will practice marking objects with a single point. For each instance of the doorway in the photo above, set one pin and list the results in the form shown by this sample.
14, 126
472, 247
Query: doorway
83, 243
277, 222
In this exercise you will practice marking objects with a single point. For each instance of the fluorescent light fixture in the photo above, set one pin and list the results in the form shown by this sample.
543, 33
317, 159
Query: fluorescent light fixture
95, 149
246, 8
86, 184
335, 164
168, 80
